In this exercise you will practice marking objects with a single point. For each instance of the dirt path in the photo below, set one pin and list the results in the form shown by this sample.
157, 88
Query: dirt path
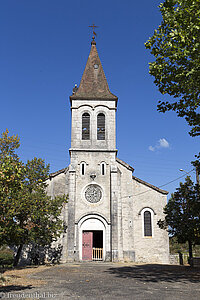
21, 277
109, 281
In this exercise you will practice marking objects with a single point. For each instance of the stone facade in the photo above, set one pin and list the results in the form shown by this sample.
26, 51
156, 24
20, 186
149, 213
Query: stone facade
105, 199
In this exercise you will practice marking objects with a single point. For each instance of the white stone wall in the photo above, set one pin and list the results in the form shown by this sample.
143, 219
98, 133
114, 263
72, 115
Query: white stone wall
123, 198
93, 107
132, 197
136, 196
153, 249
93, 166
92, 153
126, 222
59, 185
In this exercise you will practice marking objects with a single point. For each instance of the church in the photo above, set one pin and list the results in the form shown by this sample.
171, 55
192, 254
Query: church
111, 215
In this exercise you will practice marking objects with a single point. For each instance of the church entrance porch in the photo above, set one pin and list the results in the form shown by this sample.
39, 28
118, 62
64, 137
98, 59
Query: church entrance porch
93, 233
92, 245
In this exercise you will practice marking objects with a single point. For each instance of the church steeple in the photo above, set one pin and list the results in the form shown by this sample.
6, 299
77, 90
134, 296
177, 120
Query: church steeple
93, 84
93, 109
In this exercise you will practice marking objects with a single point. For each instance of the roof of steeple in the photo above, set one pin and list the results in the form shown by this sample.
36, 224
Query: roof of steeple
93, 83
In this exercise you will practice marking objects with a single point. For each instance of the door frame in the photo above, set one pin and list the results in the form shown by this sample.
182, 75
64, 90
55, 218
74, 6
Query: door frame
92, 223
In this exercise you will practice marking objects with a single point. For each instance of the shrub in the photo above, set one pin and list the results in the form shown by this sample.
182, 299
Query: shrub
6, 257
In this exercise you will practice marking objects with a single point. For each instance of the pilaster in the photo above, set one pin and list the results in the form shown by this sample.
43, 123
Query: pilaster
114, 212
120, 231
71, 214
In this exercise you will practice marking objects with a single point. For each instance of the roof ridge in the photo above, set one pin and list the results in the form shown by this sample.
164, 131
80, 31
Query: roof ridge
150, 185
58, 172
125, 164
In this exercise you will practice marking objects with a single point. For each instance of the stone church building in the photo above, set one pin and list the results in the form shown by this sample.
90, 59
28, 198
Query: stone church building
111, 215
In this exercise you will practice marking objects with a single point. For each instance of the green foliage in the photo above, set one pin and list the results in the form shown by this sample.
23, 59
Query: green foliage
175, 247
196, 163
182, 214
6, 257
9, 144
176, 69
27, 213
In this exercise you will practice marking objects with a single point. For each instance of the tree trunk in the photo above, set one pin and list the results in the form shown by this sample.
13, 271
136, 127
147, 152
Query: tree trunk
190, 251
17, 257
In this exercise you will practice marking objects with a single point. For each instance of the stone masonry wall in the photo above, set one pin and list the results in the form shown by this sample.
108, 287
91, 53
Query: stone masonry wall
93, 108
153, 249
59, 185
135, 196
127, 240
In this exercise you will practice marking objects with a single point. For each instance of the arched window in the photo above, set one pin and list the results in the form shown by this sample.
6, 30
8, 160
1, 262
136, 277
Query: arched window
147, 223
103, 168
101, 126
82, 168
85, 126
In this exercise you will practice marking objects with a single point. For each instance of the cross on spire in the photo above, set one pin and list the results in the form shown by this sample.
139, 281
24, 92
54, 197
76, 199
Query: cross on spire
94, 33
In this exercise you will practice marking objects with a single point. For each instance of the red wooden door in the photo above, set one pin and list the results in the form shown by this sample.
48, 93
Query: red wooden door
87, 239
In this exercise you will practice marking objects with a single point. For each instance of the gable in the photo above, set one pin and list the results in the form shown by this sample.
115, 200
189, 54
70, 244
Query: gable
127, 166
150, 185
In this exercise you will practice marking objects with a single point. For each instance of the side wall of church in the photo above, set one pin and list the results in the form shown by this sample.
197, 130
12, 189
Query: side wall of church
153, 249
59, 185
126, 215
135, 198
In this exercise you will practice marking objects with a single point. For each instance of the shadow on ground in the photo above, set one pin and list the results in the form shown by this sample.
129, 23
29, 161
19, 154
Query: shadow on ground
158, 273
12, 288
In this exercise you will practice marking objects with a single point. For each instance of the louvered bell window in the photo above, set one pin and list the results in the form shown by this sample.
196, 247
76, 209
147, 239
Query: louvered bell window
147, 224
101, 127
85, 126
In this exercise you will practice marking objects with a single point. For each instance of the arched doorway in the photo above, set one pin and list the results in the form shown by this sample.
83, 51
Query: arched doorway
92, 238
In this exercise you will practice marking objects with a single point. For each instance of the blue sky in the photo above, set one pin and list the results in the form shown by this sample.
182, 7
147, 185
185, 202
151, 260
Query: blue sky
43, 51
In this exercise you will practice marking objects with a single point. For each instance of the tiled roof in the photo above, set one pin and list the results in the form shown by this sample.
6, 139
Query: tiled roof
124, 164
58, 172
150, 185
93, 84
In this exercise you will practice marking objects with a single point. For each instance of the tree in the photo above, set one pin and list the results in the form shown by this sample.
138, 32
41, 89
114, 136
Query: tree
176, 69
27, 213
11, 178
182, 214
196, 164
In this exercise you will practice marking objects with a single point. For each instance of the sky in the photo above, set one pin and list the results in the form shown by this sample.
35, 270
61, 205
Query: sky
44, 46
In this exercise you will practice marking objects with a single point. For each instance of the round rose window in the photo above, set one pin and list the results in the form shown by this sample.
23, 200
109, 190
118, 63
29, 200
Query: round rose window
93, 193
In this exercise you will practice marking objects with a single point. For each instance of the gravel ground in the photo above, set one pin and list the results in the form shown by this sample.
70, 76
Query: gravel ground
110, 281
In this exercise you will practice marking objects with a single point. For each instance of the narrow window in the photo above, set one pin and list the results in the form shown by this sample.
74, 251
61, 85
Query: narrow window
147, 224
85, 126
103, 168
83, 168
100, 126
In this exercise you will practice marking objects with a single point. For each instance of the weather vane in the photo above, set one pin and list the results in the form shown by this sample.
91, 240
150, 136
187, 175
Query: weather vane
94, 33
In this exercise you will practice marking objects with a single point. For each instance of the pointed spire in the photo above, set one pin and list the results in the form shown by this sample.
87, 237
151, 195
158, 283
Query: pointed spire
93, 84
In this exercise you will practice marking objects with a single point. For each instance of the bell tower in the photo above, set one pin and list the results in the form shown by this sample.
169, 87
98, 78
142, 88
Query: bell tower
93, 109
93, 171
